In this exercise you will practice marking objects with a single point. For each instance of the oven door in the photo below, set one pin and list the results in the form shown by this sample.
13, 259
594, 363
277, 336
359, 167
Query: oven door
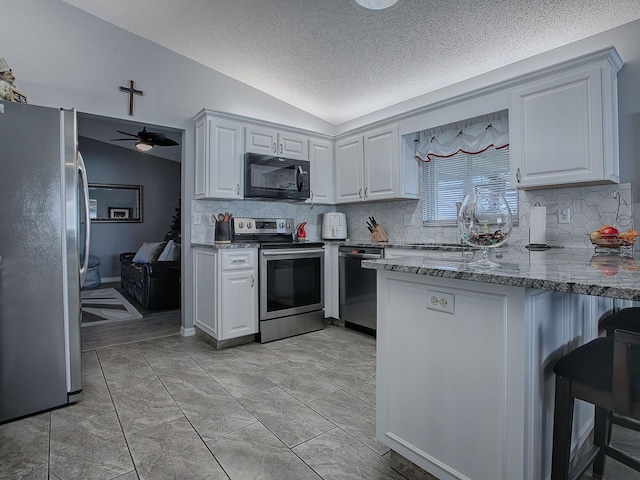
276, 177
291, 281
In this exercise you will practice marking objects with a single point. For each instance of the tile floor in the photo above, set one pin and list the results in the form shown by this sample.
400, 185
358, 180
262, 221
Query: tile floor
299, 408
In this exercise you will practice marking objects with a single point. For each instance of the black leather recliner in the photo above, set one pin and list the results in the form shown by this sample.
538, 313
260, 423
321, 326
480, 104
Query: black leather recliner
155, 285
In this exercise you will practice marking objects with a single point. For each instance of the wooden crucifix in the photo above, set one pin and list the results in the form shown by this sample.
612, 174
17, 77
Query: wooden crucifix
131, 91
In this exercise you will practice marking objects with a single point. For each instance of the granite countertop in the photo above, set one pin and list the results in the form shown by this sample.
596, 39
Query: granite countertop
573, 270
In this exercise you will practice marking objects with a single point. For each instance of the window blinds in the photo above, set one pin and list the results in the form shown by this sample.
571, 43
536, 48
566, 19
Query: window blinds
447, 180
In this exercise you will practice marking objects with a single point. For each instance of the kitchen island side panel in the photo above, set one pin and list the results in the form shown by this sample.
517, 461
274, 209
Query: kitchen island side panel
450, 390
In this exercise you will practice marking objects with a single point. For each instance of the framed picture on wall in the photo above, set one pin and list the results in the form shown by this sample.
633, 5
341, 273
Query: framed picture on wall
119, 213
16, 96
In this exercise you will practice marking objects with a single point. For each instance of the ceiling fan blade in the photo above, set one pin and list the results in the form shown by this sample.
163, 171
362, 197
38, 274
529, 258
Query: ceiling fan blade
123, 139
126, 133
167, 142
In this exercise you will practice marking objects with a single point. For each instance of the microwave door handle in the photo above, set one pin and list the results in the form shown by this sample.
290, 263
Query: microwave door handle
299, 180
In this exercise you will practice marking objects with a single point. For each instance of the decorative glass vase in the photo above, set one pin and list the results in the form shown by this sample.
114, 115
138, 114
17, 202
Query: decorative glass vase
484, 221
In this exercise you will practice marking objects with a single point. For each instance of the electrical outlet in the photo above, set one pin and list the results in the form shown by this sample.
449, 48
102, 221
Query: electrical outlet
197, 218
564, 214
441, 302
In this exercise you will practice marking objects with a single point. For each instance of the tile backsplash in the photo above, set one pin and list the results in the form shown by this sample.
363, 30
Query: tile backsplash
202, 212
589, 208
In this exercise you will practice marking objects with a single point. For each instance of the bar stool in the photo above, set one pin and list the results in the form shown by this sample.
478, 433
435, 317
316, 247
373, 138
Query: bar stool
606, 373
626, 319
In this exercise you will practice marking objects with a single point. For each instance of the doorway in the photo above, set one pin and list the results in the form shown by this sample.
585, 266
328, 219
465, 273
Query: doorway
108, 146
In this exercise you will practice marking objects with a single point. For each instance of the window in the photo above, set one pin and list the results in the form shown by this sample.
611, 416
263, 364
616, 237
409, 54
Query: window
447, 180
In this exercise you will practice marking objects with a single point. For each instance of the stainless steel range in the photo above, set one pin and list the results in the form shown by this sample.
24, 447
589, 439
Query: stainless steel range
291, 277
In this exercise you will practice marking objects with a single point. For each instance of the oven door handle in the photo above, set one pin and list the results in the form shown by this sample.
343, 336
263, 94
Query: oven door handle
298, 252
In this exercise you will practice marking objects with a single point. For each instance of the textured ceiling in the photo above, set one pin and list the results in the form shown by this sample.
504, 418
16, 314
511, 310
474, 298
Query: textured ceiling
338, 61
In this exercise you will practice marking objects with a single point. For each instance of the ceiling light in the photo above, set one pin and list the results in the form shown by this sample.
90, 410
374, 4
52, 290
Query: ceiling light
376, 4
144, 146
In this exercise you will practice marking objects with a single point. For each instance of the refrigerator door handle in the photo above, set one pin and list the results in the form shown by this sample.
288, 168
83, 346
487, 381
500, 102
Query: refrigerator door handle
87, 220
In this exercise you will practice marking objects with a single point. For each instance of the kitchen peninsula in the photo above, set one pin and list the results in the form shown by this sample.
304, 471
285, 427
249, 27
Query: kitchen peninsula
464, 370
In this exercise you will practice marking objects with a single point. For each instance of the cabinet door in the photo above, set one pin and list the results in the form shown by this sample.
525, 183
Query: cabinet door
223, 159
381, 164
321, 159
238, 303
349, 170
204, 291
261, 140
202, 160
557, 131
293, 145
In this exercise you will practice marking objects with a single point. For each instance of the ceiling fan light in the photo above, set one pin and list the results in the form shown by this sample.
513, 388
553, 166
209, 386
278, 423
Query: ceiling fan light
376, 4
143, 146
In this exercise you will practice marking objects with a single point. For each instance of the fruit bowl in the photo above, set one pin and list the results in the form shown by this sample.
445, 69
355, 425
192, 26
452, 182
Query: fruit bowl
612, 240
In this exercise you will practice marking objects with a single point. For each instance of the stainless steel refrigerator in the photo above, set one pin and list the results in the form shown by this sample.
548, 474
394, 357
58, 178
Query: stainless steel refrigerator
44, 246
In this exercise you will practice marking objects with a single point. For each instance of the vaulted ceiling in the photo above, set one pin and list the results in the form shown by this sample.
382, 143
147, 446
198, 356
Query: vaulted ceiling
338, 61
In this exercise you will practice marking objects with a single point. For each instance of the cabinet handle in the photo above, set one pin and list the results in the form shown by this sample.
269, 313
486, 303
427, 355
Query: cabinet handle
274, 148
238, 189
253, 281
281, 149
365, 192
518, 176
360, 193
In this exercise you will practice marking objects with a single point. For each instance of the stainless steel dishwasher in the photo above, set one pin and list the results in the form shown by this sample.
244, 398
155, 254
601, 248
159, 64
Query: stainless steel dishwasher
358, 288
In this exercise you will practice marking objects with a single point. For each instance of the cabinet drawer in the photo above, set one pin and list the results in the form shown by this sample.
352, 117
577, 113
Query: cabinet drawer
237, 259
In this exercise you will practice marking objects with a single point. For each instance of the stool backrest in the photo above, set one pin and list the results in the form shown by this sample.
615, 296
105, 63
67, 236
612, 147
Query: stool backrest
623, 401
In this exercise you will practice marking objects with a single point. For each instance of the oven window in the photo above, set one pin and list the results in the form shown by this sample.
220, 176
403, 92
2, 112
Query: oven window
293, 283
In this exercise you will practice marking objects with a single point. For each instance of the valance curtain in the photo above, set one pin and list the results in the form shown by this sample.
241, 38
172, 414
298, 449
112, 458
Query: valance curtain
471, 136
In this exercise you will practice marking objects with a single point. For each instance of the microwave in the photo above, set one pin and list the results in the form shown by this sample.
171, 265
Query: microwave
276, 178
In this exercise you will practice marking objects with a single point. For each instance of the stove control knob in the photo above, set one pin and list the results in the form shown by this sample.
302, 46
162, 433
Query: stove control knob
241, 225
248, 224
288, 225
280, 225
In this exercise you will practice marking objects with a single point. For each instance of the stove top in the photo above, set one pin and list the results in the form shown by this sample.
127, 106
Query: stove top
268, 232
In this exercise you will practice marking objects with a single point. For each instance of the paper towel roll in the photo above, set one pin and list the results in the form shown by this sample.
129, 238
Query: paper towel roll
538, 226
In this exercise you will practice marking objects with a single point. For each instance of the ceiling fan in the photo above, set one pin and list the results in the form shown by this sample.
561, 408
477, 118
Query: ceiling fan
147, 140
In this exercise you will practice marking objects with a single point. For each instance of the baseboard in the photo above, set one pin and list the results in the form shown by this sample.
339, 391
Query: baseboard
187, 332
109, 279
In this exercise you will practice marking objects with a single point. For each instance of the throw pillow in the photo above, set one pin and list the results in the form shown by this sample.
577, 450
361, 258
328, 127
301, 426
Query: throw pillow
149, 252
170, 253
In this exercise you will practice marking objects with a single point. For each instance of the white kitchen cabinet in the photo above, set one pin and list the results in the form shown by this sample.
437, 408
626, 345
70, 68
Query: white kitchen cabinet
269, 141
226, 292
471, 365
219, 162
321, 160
331, 281
563, 128
349, 165
204, 291
238, 300
372, 167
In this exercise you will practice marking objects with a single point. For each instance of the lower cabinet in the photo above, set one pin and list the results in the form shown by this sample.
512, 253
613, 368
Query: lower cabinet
465, 381
226, 292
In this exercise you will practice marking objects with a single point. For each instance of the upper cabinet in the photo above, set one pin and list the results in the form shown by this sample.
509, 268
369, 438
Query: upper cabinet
219, 158
563, 127
321, 160
372, 166
270, 141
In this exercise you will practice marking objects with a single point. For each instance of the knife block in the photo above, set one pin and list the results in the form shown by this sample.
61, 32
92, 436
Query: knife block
379, 235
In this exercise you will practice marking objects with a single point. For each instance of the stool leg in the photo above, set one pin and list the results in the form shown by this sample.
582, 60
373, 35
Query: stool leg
601, 438
562, 425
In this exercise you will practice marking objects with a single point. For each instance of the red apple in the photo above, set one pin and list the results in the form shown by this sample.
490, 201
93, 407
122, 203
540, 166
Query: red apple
609, 230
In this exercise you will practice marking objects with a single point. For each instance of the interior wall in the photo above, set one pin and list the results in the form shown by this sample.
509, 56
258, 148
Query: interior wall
160, 180
64, 57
